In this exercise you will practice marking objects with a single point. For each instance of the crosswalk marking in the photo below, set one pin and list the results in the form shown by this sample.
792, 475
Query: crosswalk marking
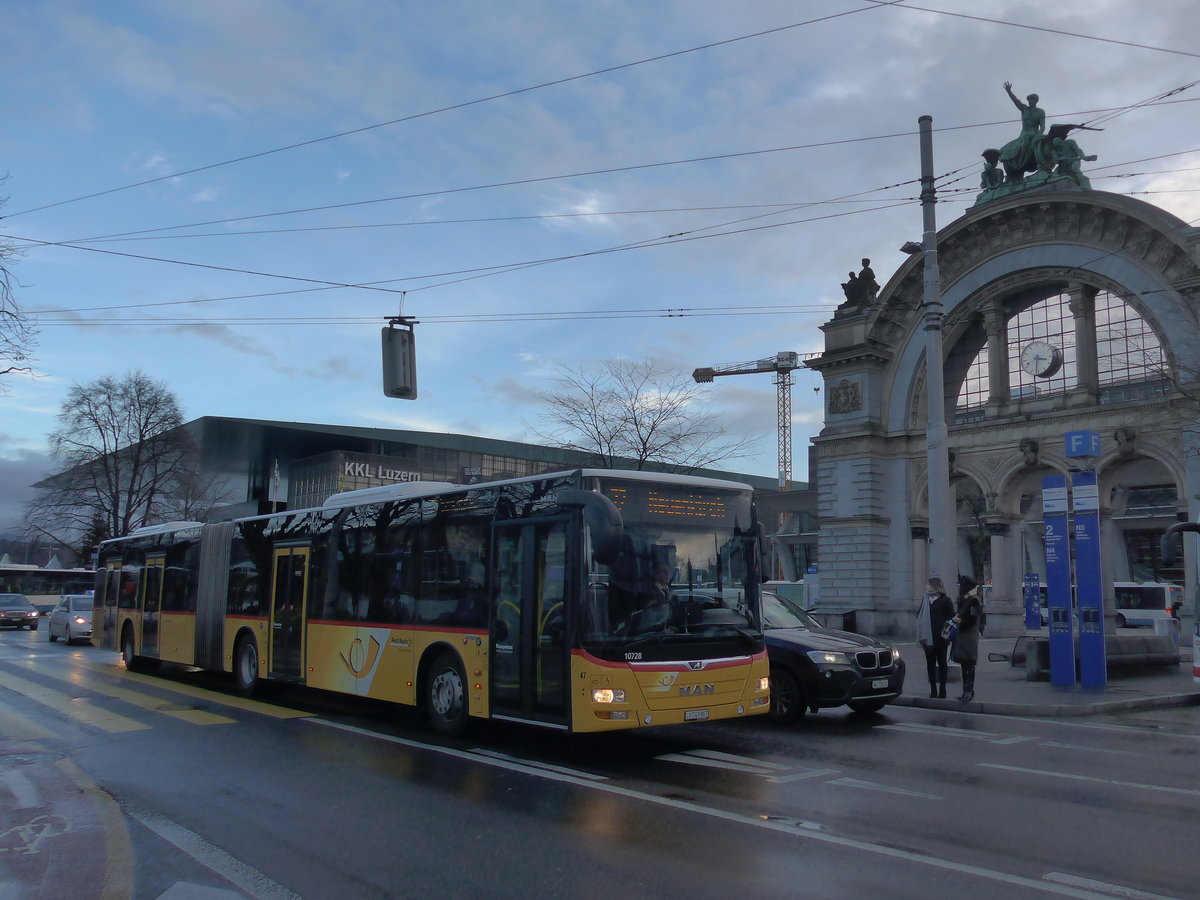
255, 706
153, 704
15, 726
74, 707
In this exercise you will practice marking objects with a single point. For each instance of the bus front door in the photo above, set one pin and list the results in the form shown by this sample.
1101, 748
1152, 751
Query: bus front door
151, 604
529, 647
289, 588
104, 614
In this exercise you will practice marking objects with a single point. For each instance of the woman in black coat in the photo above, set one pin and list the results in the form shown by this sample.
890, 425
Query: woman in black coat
968, 616
936, 609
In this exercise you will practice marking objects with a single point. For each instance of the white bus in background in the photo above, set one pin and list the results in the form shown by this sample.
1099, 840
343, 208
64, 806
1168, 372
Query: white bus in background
1146, 603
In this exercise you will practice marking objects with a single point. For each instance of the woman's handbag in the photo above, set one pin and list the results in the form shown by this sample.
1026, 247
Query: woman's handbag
949, 631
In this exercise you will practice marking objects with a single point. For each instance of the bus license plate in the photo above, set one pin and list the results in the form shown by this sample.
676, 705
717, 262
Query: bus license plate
695, 715
879, 683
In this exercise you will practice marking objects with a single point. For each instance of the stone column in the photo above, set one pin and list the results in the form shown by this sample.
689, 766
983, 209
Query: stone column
920, 558
1082, 300
996, 326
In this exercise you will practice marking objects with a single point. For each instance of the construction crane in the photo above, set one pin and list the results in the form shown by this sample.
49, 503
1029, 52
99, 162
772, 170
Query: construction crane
783, 364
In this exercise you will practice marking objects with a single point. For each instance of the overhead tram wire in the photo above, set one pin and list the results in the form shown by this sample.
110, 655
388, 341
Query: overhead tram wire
479, 220
562, 177
457, 106
472, 274
423, 195
462, 318
1041, 28
875, 4
179, 262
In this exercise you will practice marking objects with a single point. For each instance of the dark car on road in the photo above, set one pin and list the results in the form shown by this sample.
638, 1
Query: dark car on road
813, 667
16, 610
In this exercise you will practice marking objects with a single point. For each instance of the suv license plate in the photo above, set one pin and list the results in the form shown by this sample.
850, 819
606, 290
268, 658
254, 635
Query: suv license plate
695, 715
879, 683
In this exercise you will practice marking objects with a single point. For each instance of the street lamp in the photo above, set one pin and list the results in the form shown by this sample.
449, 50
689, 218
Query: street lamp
943, 555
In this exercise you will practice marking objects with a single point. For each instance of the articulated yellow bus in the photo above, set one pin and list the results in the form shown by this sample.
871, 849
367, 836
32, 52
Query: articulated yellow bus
589, 600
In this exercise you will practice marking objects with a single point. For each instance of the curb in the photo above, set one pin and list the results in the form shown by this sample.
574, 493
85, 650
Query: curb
1002, 708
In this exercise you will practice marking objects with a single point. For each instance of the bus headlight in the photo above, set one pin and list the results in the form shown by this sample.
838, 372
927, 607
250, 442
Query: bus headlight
608, 695
764, 683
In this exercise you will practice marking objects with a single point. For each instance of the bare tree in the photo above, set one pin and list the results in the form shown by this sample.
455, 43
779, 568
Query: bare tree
126, 461
635, 413
17, 334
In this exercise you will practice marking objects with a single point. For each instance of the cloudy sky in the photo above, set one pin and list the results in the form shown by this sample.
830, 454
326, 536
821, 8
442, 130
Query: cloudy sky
233, 195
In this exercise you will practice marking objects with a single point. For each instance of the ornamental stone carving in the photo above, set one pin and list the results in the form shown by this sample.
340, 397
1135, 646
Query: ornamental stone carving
845, 397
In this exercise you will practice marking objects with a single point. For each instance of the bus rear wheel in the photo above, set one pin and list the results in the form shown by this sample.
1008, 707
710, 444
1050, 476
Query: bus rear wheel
446, 696
245, 666
132, 661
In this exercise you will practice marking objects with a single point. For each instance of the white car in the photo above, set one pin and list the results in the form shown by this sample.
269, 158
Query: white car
71, 619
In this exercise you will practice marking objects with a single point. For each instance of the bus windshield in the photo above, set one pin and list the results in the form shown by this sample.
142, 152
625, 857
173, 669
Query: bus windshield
686, 573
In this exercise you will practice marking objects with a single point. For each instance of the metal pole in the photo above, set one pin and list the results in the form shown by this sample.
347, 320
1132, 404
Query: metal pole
943, 544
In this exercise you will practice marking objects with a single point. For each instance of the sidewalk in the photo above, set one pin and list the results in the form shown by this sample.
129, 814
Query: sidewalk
1001, 689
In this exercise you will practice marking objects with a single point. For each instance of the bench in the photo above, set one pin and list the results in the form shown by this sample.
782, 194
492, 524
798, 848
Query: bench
1123, 653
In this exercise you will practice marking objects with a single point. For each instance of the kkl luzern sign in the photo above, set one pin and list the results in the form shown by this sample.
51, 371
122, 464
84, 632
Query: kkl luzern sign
378, 472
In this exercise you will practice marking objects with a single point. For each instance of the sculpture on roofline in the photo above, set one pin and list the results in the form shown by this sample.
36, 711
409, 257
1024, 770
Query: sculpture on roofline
1036, 157
860, 289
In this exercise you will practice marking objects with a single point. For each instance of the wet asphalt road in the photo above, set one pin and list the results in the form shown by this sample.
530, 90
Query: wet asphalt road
194, 792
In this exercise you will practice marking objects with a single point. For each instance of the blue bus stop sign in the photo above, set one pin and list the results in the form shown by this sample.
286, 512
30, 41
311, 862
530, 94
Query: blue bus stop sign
1058, 581
1032, 597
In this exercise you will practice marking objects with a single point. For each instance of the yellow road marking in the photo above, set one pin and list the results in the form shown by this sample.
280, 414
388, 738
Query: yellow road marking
147, 702
255, 706
118, 849
15, 726
76, 708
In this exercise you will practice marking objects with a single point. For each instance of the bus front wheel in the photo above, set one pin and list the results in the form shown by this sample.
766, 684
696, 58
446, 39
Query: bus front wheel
245, 666
446, 696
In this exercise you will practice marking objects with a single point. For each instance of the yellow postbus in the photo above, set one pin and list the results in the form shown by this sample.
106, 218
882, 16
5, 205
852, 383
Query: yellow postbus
587, 600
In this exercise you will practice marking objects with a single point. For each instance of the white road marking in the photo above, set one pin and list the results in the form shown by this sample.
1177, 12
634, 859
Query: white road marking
882, 788
945, 731
1114, 890
731, 757
1109, 781
749, 766
1060, 746
24, 791
539, 765
800, 776
249, 880
804, 831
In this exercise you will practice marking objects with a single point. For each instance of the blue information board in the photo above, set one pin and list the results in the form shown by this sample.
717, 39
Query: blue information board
1058, 580
1033, 598
1089, 598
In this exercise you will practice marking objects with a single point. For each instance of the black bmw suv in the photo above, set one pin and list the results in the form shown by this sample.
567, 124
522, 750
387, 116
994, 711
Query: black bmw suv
813, 667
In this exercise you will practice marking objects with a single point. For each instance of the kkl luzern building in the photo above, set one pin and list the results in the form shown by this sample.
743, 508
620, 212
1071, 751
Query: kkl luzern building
1065, 309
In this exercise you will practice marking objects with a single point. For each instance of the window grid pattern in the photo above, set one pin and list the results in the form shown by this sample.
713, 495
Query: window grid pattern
1129, 357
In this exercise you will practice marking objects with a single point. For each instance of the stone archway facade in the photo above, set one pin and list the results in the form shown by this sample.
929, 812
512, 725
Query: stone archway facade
996, 262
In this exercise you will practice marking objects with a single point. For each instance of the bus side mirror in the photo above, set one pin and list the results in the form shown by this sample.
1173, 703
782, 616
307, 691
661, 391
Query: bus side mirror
764, 554
1168, 544
602, 517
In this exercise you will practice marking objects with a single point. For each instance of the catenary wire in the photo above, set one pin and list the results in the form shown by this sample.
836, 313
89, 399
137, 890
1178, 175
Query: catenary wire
465, 104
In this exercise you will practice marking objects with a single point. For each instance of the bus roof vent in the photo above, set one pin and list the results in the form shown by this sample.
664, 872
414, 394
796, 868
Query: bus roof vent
385, 492
164, 526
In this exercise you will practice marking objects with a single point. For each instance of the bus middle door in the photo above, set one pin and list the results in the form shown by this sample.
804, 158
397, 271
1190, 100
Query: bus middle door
288, 592
151, 604
529, 647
